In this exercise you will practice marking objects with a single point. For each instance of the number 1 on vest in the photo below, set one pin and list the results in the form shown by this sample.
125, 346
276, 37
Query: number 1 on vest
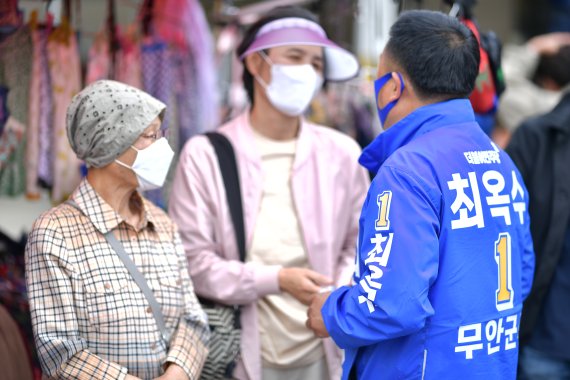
505, 293
383, 201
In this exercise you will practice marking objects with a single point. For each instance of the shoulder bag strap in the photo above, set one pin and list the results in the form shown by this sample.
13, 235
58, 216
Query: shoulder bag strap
228, 167
138, 277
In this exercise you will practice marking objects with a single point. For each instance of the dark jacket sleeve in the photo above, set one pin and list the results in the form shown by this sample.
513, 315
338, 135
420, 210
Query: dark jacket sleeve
522, 149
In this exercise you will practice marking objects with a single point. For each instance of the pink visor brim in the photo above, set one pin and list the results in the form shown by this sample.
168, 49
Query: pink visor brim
340, 63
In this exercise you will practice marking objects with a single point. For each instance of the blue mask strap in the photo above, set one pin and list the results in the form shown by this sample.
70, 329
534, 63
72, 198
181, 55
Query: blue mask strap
378, 84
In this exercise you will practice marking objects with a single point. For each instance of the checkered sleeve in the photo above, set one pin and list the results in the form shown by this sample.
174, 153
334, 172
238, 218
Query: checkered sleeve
189, 345
63, 353
86, 366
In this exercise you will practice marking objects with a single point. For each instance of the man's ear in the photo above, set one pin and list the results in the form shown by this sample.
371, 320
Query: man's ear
395, 87
253, 63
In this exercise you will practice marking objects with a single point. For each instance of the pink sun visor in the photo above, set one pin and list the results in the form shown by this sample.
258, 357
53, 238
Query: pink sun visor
340, 63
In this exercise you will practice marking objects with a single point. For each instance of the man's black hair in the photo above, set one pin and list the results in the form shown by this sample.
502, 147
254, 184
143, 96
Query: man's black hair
249, 36
438, 53
555, 67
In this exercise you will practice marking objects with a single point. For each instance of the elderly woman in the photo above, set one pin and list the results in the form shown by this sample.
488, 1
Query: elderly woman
302, 192
91, 319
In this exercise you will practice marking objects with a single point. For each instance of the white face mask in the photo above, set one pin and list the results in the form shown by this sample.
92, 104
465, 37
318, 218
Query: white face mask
151, 164
292, 87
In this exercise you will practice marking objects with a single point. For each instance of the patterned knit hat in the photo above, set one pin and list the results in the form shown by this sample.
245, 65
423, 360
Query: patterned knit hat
106, 118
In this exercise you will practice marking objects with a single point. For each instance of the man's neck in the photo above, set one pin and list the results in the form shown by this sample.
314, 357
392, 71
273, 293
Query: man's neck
405, 107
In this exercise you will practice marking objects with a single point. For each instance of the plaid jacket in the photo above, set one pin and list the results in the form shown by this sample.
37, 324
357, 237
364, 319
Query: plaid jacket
90, 319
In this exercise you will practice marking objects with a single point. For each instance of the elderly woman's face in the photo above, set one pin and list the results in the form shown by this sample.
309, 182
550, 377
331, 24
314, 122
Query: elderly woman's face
146, 139
150, 135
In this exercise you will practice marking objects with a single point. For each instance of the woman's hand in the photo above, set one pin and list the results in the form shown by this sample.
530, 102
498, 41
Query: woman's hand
302, 283
173, 372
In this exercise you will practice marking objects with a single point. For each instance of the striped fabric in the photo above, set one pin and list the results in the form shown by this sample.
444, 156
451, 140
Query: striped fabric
90, 319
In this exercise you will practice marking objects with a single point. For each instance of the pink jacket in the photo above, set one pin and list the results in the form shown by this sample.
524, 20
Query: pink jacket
328, 188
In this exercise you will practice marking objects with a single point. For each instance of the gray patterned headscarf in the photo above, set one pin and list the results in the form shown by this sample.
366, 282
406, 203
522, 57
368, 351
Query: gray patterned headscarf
106, 118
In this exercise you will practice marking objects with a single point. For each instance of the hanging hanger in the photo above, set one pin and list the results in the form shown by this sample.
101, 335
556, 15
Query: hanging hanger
147, 9
114, 43
63, 32
48, 4
67, 9
34, 23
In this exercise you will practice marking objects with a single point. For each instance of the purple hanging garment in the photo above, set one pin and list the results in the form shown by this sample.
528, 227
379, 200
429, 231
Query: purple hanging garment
183, 24
157, 81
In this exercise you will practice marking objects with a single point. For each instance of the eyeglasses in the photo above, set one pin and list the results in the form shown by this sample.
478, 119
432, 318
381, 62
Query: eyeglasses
155, 135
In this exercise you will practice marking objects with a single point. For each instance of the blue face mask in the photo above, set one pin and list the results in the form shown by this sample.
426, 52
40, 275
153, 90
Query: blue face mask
378, 84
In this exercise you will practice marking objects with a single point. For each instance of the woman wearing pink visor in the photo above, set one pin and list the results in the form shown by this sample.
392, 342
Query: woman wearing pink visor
302, 190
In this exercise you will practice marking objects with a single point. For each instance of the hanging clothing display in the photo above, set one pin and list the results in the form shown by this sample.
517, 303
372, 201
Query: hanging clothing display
157, 73
33, 131
158, 81
99, 65
45, 157
10, 142
15, 70
128, 60
10, 17
183, 24
188, 105
173, 62
12, 151
65, 72
129, 69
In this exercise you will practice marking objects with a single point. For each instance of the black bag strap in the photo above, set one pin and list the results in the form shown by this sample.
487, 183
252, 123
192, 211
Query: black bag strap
228, 167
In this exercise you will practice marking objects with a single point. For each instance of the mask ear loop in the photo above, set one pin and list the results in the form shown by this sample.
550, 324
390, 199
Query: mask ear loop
265, 57
383, 112
125, 165
268, 61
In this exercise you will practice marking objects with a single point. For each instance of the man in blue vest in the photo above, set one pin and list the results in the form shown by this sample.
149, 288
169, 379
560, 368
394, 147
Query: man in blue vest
445, 255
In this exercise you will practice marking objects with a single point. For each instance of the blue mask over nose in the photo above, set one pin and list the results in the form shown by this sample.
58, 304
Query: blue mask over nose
378, 84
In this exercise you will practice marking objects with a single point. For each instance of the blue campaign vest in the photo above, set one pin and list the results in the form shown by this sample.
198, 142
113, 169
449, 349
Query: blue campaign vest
445, 256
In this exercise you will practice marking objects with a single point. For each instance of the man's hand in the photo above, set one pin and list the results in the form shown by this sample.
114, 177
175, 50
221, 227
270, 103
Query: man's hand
315, 318
173, 372
302, 283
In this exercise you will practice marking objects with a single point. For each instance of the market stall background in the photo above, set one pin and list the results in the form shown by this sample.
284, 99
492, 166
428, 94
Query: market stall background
182, 52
